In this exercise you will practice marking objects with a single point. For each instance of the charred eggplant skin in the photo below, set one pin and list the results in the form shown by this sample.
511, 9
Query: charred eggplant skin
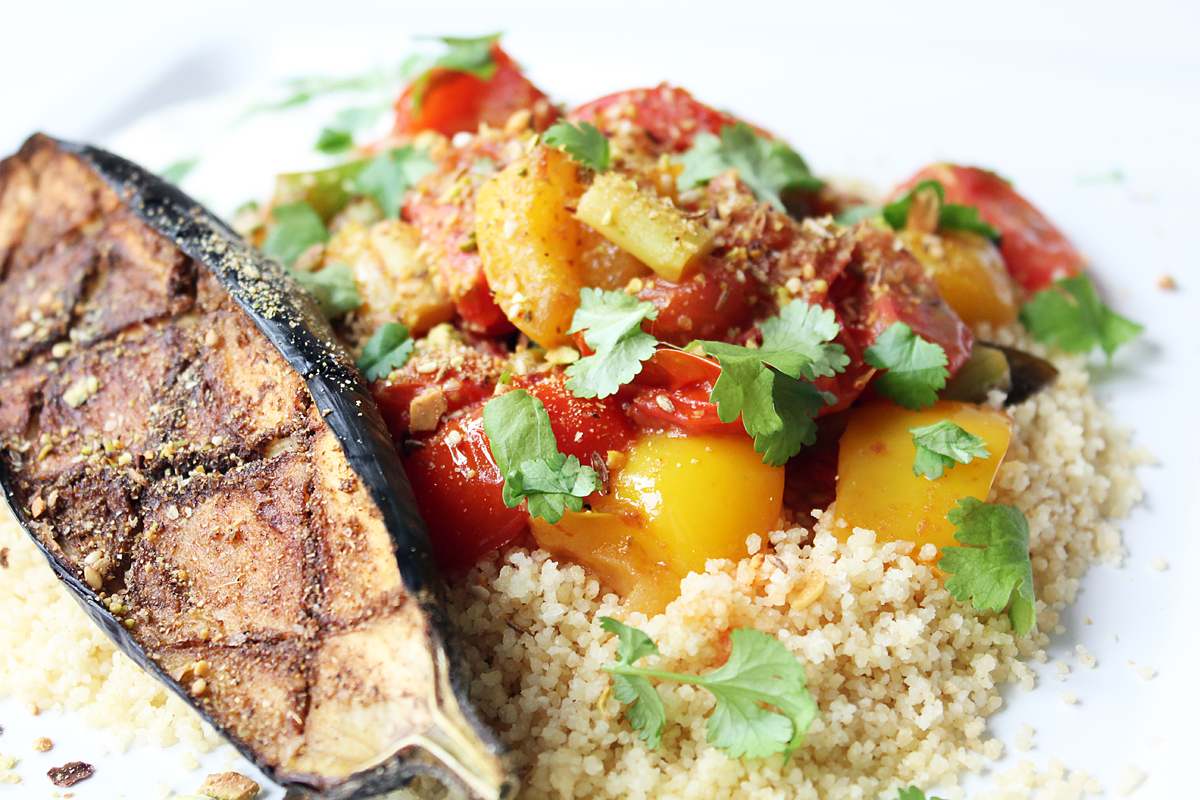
291, 321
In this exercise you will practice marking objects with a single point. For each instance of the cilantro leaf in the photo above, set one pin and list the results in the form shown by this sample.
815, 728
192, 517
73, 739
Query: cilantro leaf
951, 216
585, 143
612, 326
388, 348
941, 445
644, 707
916, 369
179, 170
994, 571
767, 167
334, 287
297, 227
526, 453
754, 383
1071, 314
912, 793
387, 176
797, 403
760, 670
472, 56
333, 141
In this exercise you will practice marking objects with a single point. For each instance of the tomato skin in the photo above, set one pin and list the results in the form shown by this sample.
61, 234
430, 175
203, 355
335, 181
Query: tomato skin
708, 304
582, 426
459, 493
670, 115
455, 101
1036, 253
395, 398
685, 380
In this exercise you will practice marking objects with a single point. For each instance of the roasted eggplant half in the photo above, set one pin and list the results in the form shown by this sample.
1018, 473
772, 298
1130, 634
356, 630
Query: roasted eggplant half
206, 472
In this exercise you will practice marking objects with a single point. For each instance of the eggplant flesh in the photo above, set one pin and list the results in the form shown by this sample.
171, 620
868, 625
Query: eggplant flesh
205, 470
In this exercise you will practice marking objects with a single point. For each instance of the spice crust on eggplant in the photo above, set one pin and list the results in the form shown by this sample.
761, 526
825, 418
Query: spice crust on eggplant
204, 469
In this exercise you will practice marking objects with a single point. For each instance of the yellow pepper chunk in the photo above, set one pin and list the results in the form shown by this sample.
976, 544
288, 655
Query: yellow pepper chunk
611, 546
645, 225
698, 497
969, 272
877, 489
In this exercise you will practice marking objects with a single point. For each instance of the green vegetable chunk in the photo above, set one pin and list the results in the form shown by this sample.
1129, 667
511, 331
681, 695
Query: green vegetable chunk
526, 453
333, 141
297, 227
334, 288
942, 445
768, 167
1071, 315
390, 174
611, 324
768, 387
760, 670
585, 143
951, 216
916, 369
388, 348
994, 570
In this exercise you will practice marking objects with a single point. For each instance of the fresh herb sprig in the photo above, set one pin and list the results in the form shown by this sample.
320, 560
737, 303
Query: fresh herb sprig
297, 227
387, 176
584, 143
389, 348
951, 216
916, 369
470, 55
942, 445
1071, 315
333, 286
760, 671
993, 570
768, 167
611, 323
770, 387
526, 453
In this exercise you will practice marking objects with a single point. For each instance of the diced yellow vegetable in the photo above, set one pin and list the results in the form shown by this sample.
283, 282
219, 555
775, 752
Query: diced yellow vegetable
969, 272
530, 243
393, 278
698, 497
876, 486
611, 546
645, 225
605, 266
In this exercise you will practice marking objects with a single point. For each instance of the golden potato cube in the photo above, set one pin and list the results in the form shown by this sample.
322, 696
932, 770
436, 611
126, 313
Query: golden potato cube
395, 280
530, 243
645, 225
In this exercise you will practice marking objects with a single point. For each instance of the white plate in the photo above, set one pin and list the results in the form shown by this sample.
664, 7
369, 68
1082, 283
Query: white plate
876, 92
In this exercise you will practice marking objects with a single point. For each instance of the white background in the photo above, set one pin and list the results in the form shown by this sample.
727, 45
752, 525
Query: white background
1055, 96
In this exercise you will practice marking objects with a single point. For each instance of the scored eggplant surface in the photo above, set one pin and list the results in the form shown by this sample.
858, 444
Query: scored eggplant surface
206, 472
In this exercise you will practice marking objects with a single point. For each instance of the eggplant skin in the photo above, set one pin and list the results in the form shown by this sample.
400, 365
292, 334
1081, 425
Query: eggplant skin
205, 471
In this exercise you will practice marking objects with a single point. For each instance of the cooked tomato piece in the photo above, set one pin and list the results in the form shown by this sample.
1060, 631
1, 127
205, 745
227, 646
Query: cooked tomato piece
882, 285
582, 426
714, 302
458, 490
442, 208
395, 398
1036, 252
670, 115
451, 101
672, 391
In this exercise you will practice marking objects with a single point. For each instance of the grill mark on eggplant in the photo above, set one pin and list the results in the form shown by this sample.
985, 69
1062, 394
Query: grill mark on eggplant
237, 522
